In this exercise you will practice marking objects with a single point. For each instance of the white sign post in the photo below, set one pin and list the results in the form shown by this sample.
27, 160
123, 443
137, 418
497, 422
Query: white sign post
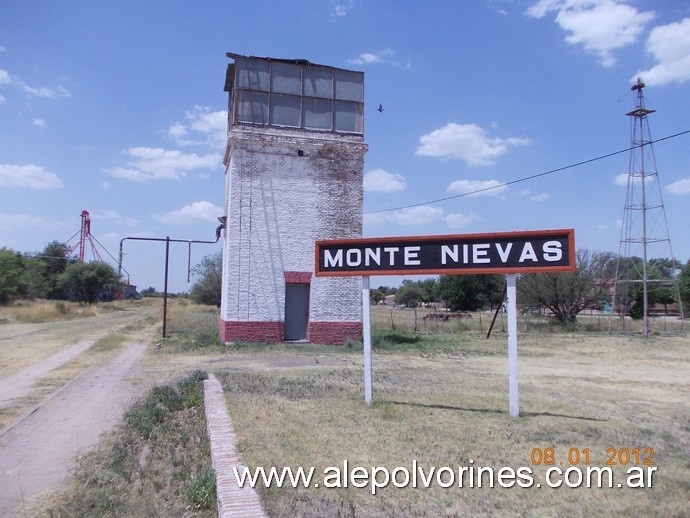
512, 346
509, 253
366, 324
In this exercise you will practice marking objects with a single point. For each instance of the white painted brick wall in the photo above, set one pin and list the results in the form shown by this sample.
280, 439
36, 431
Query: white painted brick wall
277, 204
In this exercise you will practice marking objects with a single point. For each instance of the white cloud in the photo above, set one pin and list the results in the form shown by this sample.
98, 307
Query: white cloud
342, 8
468, 142
113, 216
161, 164
599, 26
39, 122
201, 127
526, 193
478, 187
670, 45
368, 58
680, 187
48, 92
31, 176
197, 211
459, 220
379, 180
621, 179
15, 221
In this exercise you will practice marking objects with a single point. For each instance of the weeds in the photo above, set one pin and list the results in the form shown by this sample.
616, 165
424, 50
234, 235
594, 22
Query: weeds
156, 464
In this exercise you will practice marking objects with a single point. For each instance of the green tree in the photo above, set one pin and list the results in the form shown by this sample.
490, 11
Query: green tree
35, 278
409, 295
209, 287
376, 296
684, 286
566, 294
470, 292
86, 281
660, 287
54, 256
13, 283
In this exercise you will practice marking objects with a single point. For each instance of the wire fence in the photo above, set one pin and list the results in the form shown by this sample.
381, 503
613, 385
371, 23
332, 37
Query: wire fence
422, 320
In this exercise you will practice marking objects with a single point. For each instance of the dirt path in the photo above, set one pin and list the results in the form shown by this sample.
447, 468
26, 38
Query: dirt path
37, 452
20, 384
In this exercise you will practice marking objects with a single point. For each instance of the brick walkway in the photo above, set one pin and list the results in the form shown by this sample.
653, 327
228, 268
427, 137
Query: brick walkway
232, 500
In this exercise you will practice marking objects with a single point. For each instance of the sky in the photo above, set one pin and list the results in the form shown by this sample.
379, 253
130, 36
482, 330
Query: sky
118, 108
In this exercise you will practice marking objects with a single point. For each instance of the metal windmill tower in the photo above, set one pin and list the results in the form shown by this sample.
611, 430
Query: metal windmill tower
644, 232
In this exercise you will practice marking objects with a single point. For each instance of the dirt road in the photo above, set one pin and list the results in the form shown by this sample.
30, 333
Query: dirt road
37, 450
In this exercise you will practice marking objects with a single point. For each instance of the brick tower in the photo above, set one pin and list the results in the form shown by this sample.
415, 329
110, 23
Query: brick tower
295, 163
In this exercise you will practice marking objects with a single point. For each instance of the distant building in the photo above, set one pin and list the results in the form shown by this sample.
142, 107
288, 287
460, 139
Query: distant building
295, 164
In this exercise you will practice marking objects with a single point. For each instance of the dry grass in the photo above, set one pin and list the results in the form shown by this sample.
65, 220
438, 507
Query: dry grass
443, 401
45, 311
24, 345
156, 463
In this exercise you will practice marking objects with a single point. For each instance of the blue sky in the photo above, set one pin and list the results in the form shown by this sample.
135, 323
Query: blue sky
118, 108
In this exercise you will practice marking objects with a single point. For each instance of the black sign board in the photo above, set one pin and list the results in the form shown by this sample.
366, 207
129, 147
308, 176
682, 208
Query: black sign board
505, 252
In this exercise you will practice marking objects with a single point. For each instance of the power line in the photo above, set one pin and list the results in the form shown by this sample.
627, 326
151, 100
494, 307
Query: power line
532, 177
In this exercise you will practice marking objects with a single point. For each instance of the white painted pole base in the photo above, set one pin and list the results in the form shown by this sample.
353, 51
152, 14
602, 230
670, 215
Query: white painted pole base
366, 329
511, 295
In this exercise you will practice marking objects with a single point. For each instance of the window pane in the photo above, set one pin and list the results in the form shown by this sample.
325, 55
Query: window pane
252, 74
349, 86
286, 78
252, 107
318, 82
348, 117
317, 113
285, 110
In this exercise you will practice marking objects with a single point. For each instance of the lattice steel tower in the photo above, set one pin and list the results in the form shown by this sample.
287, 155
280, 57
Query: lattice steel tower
645, 240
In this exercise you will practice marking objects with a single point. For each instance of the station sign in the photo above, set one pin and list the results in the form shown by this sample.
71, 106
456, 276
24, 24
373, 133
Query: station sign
499, 252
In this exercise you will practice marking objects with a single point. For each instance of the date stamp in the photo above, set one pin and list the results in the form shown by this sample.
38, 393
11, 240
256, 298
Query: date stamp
612, 457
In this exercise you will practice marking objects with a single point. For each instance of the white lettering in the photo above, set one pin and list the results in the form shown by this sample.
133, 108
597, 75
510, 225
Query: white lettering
373, 254
446, 252
479, 252
353, 257
504, 253
528, 253
333, 261
412, 255
465, 249
552, 251
391, 254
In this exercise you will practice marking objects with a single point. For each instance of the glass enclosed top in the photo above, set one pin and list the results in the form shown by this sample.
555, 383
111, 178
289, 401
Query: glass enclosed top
295, 94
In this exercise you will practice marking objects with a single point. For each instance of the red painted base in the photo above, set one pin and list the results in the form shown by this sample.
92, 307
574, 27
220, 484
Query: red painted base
331, 333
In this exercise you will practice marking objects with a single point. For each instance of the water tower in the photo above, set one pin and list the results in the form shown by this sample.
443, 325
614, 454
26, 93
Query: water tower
295, 163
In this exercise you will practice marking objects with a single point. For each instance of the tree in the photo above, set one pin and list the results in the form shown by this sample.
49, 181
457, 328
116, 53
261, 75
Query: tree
13, 283
86, 281
209, 287
376, 297
684, 285
35, 278
54, 256
660, 288
408, 295
566, 294
470, 292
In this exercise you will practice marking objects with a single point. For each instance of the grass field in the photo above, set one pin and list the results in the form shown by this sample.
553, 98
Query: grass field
587, 397
441, 400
